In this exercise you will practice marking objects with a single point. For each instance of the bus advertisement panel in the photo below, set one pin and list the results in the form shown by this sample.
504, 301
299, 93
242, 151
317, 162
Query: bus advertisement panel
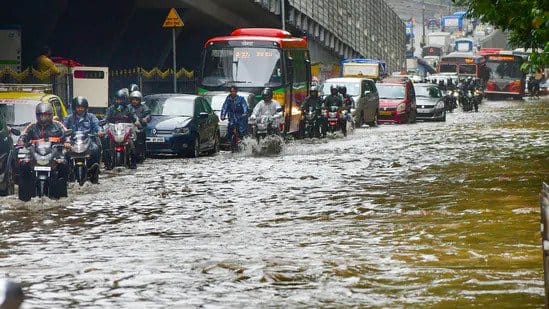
255, 58
505, 76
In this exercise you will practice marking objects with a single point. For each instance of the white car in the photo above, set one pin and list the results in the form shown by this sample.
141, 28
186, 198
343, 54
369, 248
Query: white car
216, 100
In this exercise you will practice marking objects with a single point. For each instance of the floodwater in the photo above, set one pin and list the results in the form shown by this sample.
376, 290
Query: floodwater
421, 215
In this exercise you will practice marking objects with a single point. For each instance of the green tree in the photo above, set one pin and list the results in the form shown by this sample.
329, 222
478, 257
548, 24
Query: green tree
527, 22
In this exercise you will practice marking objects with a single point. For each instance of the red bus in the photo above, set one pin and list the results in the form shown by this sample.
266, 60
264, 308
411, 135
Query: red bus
464, 65
505, 76
255, 58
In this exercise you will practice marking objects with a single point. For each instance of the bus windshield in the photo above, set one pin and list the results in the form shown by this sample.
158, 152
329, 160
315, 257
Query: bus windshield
242, 66
504, 70
448, 68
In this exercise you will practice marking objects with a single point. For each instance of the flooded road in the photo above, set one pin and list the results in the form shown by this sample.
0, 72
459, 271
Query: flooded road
420, 215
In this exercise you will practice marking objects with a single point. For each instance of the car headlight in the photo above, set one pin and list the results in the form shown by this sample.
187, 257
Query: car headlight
401, 107
456, 94
440, 104
182, 131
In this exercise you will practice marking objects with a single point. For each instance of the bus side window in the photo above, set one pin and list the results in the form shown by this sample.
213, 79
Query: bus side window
290, 68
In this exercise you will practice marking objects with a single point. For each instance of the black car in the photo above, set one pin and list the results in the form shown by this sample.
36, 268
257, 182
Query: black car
181, 124
7, 153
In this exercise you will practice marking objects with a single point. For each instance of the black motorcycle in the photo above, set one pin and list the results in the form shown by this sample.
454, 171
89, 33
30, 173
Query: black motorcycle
42, 170
450, 100
80, 165
313, 123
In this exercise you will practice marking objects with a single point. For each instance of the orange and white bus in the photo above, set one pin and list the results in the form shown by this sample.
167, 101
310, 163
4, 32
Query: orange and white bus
255, 58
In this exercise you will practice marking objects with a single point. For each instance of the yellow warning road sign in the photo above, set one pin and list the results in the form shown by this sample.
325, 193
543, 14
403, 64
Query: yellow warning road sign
173, 20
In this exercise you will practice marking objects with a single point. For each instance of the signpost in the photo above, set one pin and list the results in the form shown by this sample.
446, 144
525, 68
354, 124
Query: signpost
173, 21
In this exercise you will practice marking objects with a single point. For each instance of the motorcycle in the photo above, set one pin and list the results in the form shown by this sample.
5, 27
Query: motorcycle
266, 132
121, 137
333, 115
41, 169
80, 157
466, 100
450, 100
312, 125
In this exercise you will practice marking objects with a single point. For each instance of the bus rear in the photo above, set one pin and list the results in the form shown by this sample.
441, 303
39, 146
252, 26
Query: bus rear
505, 76
255, 58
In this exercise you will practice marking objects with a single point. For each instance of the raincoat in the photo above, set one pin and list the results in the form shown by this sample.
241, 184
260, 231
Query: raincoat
236, 110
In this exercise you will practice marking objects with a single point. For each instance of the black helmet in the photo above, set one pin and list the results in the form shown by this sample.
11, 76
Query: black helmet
44, 113
122, 96
333, 89
343, 90
79, 101
136, 95
314, 91
267, 94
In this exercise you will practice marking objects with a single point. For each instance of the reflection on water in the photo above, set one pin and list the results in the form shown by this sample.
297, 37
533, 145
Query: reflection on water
427, 215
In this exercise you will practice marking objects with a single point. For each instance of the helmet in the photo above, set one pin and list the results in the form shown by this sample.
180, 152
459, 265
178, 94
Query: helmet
133, 87
136, 95
121, 96
44, 113
333, 89
267, 94
79, 101
314, 91
343, 90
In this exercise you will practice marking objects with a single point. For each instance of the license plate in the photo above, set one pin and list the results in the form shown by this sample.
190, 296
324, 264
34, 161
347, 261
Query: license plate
155, 139
42, 168
423, 110
385, 113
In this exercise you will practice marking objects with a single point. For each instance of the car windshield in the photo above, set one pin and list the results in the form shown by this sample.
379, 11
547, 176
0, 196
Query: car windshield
390, 91
171, 106
19, 114
243, 66
428, 92
353, 88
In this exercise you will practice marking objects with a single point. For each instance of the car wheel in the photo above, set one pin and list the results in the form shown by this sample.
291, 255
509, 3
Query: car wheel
9, 184
374, 122
194, 152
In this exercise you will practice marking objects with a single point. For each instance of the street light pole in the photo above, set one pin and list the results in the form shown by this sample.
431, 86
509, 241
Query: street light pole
423, 23
283, 13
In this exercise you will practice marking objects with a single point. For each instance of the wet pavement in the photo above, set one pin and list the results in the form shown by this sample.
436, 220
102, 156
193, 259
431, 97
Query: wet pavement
420, 215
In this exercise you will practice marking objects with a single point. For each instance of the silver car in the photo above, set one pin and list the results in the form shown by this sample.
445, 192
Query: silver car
216, 100
429, 102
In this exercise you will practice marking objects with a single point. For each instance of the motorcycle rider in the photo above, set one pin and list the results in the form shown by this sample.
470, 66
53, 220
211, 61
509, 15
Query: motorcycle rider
82, 120
317, 103
45, 128
334, 99
144, 114
348, 103
236, 109
267, 107
120, 112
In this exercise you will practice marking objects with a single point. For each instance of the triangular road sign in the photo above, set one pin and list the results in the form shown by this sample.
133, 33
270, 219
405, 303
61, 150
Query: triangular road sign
173, 20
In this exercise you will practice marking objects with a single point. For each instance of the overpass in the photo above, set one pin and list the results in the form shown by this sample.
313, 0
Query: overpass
129, 33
